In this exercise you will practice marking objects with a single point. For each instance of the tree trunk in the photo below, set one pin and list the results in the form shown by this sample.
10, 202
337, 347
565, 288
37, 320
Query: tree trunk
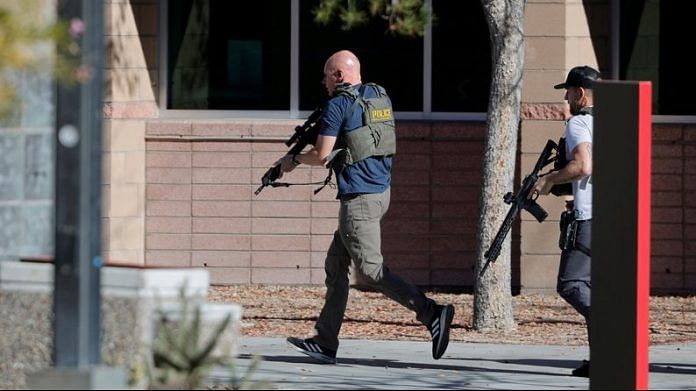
492, 294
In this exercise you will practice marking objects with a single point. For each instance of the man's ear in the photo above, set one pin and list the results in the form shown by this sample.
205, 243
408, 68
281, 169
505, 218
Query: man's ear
584, 96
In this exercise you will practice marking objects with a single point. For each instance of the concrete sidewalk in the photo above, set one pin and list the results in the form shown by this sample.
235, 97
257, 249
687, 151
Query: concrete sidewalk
409, 365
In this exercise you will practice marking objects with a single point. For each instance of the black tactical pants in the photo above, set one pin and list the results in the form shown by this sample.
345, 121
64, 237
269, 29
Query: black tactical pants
575, 270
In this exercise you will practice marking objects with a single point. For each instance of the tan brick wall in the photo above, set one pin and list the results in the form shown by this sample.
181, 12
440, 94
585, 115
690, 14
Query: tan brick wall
673, 213
190, 201
201, 211
579, 31
558, 37
131, 62
674, 208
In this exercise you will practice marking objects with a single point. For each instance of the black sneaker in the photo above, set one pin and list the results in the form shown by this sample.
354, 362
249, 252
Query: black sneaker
583, 370
313, 349
439, 329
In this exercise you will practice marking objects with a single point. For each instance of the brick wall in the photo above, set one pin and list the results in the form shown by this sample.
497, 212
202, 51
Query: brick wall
201, 211
673, 211
674, 208
200, 175
130, 85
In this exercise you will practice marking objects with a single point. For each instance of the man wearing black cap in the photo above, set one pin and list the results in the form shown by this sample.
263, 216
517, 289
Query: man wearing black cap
574, 271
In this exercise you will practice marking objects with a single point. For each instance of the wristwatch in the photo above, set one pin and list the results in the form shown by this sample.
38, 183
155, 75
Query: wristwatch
295, 161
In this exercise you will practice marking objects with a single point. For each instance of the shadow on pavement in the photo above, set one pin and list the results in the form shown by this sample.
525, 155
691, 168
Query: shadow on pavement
685, 369
381, 363
570, 364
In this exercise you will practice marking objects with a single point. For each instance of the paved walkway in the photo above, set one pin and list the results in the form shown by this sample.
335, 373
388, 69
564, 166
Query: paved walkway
409, 365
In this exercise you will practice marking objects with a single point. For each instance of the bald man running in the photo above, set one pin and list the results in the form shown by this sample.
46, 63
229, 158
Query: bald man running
363, 173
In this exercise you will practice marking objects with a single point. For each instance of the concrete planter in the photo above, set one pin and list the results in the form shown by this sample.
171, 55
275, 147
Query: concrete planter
130, 297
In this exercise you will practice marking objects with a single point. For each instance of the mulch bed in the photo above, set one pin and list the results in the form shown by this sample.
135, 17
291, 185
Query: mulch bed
280, 311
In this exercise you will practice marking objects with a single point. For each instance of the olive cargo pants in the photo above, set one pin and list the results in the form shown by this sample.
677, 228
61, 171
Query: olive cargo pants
358, 238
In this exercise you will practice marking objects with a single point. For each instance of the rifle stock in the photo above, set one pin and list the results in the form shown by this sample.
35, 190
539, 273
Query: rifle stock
520, 201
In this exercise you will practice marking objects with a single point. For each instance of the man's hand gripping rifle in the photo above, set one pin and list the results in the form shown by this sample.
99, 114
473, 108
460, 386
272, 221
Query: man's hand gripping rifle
305, 134
522, 200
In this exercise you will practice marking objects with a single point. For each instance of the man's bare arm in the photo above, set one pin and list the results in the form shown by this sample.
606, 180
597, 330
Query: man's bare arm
579, 166
314, 157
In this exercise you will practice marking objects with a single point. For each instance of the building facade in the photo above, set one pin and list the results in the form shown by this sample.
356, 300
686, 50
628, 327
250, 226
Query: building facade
202, 94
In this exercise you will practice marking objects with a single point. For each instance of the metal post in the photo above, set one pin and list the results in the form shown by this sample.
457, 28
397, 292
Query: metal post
78, 262
621, 235
77, 296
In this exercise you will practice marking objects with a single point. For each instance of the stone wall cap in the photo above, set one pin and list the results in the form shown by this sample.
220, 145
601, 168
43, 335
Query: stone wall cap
165, 282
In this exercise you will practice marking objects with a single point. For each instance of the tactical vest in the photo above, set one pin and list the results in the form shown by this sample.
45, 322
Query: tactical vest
562, 160
376, 136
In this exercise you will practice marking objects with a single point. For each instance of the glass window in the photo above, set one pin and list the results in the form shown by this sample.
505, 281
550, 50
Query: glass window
650, 31
232, 55
394, 62
461, 73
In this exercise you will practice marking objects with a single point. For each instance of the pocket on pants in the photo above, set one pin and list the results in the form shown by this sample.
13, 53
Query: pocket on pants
359, 227
364, 207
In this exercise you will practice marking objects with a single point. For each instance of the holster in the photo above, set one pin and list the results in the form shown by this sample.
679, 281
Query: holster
569, 230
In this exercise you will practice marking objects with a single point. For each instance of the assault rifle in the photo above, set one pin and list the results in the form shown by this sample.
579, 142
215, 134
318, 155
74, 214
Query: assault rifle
552, 153
305, 134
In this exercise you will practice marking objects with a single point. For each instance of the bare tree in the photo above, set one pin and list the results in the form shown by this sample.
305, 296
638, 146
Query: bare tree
493, 298
492, 294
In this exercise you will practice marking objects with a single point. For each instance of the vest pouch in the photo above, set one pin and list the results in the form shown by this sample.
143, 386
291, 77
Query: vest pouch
385, 139
377, 114
376, 110
360, 144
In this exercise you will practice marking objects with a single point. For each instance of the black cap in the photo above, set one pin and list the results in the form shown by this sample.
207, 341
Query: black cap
582, 76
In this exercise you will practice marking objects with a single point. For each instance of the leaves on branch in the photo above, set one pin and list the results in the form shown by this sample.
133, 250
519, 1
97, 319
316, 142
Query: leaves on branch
404, 17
